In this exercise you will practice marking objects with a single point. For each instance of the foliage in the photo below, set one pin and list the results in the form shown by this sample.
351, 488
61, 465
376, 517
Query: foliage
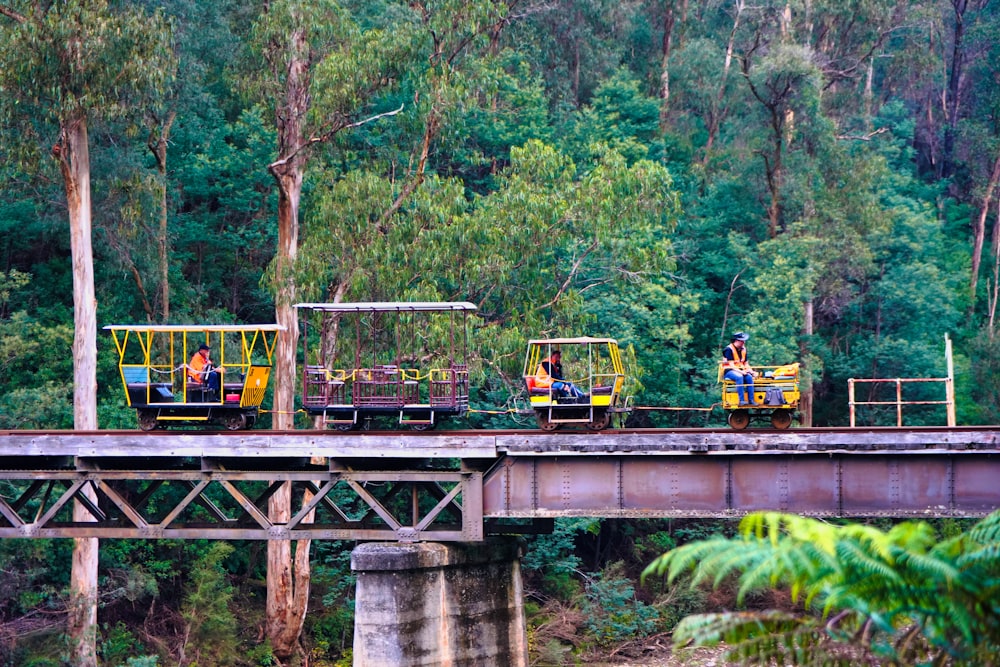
904, 594
612, 611
209, 630
80, 58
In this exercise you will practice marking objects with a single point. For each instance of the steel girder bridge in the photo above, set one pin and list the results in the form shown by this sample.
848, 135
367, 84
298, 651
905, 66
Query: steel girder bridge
463, 486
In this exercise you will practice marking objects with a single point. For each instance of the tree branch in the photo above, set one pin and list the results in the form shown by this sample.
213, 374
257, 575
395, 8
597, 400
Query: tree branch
326, 136
863, 137
10, 13
571, 275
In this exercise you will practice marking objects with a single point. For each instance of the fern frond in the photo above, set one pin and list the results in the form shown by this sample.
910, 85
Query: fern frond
919, 567
986, 557
767, 638
684, 557
987, 531
913, 536
860, 563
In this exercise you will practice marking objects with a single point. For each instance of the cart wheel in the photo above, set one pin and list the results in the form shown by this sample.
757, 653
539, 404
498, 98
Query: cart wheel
147, 420
542, 416
781, 419
739, 419
235, 421
600, 422
345, 427
422, 427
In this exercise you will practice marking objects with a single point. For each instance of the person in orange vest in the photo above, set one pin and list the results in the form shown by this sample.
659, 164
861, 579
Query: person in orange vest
738, 369
550, 374
201, 372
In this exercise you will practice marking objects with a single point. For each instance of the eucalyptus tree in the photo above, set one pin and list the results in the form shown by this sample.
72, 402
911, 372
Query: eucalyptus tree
62, 65
564, 235
320, 70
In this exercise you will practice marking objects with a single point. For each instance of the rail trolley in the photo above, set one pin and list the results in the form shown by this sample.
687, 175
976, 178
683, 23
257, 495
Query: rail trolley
776, 397
160, 384
594, 366
405, 361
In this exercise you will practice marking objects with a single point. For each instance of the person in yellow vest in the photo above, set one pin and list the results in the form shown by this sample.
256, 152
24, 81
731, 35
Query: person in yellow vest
550, 374
738, 369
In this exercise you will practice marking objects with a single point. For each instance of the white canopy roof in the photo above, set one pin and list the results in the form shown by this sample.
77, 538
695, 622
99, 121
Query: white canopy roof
181, 328
579, 340
388, 306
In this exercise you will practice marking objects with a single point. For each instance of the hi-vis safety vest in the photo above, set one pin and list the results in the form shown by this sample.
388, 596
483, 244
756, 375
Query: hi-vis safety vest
739, 360
196, 369
542, 377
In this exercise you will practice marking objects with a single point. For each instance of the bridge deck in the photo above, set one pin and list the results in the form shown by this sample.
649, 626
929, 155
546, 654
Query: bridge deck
481, 444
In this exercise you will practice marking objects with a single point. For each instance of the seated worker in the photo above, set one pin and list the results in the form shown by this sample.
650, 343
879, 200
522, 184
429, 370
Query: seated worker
201, 372
549, 374
737, 369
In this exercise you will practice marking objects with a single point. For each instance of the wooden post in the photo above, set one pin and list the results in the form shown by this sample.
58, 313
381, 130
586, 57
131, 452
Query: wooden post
949, 383
899, 403
850, 398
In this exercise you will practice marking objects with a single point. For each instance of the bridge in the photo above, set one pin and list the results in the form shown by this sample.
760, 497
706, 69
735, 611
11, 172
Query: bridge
462, 486
432, 508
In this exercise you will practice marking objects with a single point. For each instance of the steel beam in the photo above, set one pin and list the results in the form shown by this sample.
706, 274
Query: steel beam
832, 484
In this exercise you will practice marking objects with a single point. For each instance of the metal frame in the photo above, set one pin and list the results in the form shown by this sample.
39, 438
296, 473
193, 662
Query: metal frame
214, 501
345, 397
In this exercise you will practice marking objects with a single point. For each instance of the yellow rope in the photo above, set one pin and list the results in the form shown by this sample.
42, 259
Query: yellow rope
655, 408
493, 412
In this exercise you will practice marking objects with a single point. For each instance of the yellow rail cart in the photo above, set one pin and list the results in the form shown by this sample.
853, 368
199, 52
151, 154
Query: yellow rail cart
775, 393
153, 361
593, 365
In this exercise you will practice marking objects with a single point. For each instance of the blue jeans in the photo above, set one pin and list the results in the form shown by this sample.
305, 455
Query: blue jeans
567, 388
744, 384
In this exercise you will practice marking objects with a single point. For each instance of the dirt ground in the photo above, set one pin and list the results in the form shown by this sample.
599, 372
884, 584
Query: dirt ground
700, 657
657, 652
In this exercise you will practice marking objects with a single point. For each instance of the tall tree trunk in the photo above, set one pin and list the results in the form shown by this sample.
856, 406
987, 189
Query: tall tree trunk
157, 145
288, 580
953, 102
74, 162
714, 121
995, 296
668, 30
979, 230
289, 193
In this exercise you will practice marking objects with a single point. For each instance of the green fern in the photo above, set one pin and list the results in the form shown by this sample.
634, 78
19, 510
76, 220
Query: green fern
902, 595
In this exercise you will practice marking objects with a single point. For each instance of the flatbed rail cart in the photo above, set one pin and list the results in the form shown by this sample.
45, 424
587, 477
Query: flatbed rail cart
776, 397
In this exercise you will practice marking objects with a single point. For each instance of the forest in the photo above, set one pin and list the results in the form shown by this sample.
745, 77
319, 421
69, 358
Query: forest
821, 174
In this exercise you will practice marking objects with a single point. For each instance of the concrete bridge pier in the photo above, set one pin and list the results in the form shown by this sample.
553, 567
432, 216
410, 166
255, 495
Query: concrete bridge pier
430, 604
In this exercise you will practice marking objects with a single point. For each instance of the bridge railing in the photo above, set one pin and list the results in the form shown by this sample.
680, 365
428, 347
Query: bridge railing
949, 396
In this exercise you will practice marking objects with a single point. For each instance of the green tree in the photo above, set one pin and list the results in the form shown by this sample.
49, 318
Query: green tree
69, 63
209, 630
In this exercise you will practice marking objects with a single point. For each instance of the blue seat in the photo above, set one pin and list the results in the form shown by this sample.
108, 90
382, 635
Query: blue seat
136, 374
141, 390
